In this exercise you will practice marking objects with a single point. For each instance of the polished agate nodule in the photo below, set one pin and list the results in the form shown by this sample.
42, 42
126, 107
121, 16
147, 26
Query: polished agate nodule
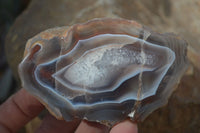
105, 70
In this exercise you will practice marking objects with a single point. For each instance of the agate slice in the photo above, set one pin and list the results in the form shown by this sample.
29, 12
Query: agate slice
104, 70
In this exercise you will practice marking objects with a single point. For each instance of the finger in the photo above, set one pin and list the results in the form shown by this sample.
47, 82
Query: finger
18, 110
52, 125
91, 127
125, 127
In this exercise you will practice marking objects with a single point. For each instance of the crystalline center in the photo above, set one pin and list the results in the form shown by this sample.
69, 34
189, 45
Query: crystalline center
104, 64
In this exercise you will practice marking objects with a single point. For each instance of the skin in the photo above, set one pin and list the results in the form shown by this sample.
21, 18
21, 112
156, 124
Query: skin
21, 108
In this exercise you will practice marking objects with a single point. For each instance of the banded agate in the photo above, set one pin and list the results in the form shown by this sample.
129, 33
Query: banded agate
104, 70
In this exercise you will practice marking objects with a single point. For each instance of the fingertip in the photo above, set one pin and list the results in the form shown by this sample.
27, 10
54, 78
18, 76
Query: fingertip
19, 109
126, 126
91, 127
51, 125
27, 103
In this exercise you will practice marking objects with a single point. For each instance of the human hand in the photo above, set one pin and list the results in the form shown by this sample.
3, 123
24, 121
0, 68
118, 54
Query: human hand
22, 108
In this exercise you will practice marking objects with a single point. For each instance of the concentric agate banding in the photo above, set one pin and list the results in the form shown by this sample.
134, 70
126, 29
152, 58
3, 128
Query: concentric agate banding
104, 70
